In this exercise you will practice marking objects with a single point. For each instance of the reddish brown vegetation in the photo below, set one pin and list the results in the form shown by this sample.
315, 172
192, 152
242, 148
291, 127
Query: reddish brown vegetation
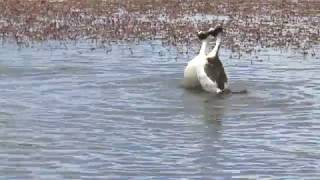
249, 24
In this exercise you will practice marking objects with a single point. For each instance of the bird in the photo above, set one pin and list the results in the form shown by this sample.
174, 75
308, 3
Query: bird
210, 71
190, 72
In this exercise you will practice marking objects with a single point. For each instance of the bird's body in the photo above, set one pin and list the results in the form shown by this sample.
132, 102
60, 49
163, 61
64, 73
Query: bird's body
211, 73
206, 70
190, 72
212, 76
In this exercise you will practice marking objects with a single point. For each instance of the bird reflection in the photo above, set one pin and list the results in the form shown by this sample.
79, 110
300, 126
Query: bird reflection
213, 111
211, 106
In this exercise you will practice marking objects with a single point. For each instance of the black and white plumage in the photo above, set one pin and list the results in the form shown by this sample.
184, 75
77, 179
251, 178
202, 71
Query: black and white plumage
210, 72
190, 72
215, 71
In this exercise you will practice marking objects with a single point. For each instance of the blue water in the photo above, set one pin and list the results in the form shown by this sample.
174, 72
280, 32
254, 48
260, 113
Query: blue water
84, 113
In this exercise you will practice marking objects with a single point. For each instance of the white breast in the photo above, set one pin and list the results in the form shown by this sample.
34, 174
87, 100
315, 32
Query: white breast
206, 83
190, 79
190, 74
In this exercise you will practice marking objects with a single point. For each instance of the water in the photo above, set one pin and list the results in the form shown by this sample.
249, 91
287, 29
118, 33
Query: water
81, 114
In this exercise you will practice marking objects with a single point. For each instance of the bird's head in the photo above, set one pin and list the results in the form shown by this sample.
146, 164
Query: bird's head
202, 35
215, 31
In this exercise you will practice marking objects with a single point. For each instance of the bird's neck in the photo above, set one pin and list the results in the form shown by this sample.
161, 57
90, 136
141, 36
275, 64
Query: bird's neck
203, 46
216, 48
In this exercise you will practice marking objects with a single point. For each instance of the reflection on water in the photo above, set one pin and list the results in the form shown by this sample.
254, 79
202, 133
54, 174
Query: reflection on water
77, 113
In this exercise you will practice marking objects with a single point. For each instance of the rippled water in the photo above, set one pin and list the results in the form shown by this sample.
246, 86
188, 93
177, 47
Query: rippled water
77, 113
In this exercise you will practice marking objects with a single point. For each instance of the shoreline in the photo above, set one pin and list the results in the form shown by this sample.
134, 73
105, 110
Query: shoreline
249, 26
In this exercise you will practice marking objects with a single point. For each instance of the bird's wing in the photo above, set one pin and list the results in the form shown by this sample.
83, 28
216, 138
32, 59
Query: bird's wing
215, 71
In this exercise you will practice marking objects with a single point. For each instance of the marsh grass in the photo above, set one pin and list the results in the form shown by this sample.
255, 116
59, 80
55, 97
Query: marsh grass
250, 25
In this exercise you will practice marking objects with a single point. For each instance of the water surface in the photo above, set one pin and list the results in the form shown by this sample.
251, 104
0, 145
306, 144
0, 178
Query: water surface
87, 113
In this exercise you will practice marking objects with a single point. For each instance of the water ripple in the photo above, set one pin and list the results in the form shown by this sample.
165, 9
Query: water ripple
92, 115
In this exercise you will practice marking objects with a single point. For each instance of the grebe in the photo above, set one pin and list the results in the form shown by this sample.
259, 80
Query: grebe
190, 72
210, 72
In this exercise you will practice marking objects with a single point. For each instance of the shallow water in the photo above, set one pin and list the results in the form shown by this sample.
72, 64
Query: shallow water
76, 113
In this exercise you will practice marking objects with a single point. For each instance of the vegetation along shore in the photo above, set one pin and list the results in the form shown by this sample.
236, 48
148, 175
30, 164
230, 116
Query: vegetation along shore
250, 25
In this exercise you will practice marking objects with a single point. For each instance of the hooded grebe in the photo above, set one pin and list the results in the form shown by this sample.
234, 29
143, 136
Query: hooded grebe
210, 71
190, 72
